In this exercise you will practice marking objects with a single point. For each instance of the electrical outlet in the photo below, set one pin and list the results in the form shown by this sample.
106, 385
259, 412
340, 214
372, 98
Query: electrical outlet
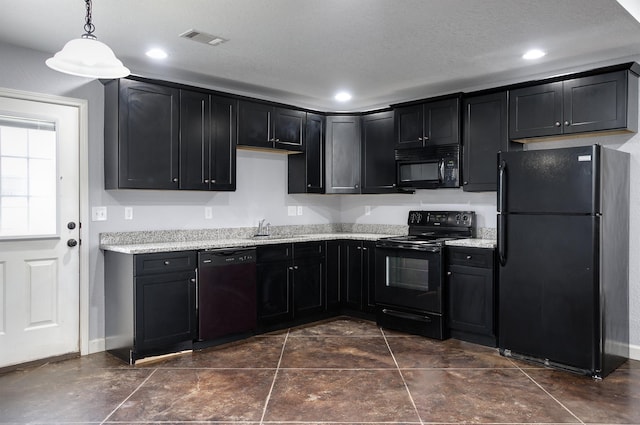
208, 213
291, 210
367, 210
299, 210
128, 213
99, 214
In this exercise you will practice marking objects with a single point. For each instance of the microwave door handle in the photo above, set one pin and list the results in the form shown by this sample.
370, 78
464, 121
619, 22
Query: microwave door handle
441, 170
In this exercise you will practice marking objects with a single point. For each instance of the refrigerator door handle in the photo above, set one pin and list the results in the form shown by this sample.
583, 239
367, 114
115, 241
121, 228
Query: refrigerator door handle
502, 171
502, 257
501, 210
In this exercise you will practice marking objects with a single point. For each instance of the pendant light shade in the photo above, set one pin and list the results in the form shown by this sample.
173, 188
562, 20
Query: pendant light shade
88, 57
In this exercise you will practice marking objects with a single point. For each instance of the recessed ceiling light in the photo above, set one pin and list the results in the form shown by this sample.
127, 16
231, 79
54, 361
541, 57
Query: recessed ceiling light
342, 96
157, 54
533, 54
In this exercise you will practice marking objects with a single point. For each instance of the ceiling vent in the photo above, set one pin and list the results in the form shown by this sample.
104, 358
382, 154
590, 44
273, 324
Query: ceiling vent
203, 37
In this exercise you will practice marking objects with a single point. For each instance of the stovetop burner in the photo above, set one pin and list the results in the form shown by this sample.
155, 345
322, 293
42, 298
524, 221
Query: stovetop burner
433, 228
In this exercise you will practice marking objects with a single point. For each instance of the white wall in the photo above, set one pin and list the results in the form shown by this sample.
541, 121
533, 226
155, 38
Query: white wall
261, 190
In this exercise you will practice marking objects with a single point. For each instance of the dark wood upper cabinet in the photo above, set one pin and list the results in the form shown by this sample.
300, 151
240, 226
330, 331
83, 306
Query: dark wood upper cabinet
306, 171
263, 126
343, 154
142, 135
604, 102
428, 124
485, 132
207, 141
161, 137
378, 169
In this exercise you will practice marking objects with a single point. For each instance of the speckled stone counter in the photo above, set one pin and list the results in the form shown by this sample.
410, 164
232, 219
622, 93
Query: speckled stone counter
144, 242
473, 243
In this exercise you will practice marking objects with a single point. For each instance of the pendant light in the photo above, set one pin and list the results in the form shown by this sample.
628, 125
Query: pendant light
88, 57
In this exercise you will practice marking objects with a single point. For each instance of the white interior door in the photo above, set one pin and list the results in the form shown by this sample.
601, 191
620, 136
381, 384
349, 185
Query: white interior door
39, 223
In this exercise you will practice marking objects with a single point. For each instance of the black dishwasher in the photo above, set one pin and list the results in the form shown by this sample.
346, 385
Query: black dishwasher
226, 293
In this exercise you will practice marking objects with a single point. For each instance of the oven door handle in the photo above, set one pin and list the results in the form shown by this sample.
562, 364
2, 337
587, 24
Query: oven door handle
409, 316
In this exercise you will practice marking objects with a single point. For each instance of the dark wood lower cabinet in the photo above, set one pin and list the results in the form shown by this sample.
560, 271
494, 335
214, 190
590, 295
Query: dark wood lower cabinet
471, 294
291, 283
150, 303
351, 276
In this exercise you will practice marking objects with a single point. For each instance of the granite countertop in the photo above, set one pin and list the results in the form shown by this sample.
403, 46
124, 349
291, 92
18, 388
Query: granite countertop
473, 243
144, 242
149, 247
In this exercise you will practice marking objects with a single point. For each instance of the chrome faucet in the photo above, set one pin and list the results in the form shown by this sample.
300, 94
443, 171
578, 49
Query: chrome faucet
263, 229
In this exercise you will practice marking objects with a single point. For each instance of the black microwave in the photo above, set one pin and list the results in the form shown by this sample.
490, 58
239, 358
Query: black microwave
428, 167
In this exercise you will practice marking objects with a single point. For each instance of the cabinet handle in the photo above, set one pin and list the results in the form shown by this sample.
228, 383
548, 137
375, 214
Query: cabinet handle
295, 267
175, 180
567, 123
167, 262
359, 247
468, 257
192, 280
308, 184
557, 123
206, 180
364, 249
426, 138
356, 186
420, 139
449, 273
212, 181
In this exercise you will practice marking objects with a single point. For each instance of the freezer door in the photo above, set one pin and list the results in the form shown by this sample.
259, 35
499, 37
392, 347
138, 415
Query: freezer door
550, 181
548, 306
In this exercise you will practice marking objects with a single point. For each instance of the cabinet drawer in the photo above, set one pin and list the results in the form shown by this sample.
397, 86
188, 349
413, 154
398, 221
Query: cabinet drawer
164, 262
309, 249
471, 257
270, 253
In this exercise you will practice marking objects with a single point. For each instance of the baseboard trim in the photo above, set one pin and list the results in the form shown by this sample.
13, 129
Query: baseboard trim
96, 345
634, 352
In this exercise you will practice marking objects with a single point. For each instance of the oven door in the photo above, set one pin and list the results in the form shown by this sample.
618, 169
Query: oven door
409, 278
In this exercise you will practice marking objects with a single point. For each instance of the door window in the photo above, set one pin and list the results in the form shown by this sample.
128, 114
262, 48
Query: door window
28, 189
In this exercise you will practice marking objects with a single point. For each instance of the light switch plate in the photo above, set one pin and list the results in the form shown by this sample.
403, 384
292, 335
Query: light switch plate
208, 213
128, 213
291, 210
99, 214
367, 210
300, 210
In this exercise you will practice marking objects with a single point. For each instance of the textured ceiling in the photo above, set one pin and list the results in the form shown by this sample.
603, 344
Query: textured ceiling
303, 51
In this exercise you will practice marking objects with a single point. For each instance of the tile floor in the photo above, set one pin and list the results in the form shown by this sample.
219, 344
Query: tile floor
336, 372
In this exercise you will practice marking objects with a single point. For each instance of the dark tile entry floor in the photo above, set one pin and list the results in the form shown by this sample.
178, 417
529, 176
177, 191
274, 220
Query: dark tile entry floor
342, 371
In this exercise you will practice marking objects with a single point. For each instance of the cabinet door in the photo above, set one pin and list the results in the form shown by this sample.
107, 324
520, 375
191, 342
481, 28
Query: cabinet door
306, 171
335, 259
223, 143
308, 286
485, 134
352, 287
442, 122
595, 103
195, 140
409, 129
343, 154
535, 111
254, 125
378, 155
149, 138
369, 276
274, 293
165, 310
471, 299
288, 129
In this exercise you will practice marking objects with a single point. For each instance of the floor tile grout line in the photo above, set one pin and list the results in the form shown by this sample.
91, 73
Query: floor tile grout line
275, 376
550, 395
406, 386
129, 396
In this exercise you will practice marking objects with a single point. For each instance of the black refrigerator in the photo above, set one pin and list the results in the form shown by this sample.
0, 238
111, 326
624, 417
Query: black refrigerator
563, 250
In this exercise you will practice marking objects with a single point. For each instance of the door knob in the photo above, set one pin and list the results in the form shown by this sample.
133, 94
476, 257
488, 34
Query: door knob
71, 225
71, 243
